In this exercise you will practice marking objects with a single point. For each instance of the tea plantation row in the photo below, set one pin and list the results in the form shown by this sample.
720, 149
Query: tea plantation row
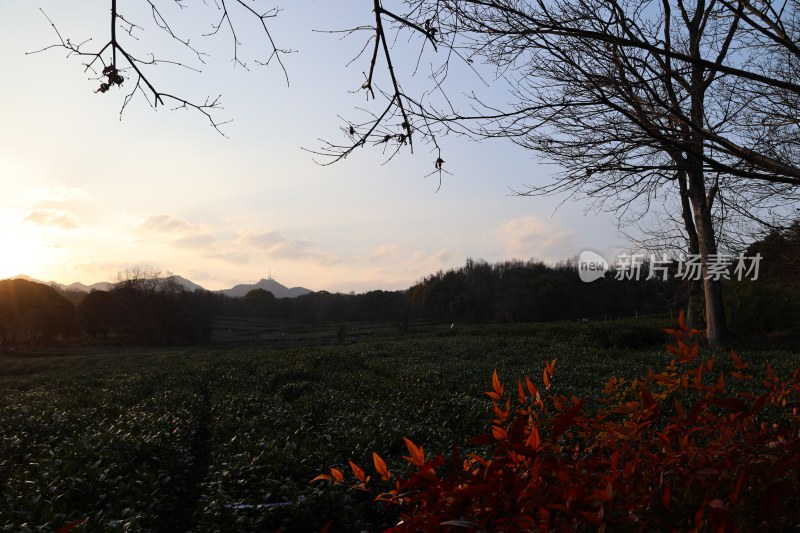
228, 440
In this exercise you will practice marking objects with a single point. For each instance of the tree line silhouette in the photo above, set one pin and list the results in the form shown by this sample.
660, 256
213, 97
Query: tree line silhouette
146, 308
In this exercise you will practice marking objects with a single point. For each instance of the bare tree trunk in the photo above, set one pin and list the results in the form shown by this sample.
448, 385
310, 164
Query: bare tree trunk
694, 287
716, 328
702, 201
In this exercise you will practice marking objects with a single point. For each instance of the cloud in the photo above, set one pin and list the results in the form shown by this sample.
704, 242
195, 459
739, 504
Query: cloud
386, 251
179, 233
165, 224
264, 240
200, 241
53, 217
531, 237
276, 246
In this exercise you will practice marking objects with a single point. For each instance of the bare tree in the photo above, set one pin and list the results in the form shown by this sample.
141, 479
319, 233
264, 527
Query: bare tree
114, 63
636, 100
147, 279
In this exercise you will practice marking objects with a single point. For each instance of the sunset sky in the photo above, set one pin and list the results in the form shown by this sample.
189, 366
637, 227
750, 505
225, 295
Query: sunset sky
85, 195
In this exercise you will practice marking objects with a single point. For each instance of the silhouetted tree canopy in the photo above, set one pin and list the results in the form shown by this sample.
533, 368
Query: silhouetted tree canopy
33, 313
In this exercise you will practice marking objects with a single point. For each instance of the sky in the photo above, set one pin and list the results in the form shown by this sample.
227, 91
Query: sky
86, 193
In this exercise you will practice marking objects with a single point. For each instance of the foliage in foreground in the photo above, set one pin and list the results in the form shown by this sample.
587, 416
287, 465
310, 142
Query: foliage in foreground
701, 445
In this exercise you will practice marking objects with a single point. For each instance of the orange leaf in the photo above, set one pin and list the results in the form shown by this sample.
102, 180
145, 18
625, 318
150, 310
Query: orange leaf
534, 439
682, 321
322, 477
417, 455
337, 475
497, 388
380, 467
358, 472
531, 387
546, 379
738, 363
521, 392
499, 433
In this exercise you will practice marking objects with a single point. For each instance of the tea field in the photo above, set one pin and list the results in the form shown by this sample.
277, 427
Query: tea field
227, 438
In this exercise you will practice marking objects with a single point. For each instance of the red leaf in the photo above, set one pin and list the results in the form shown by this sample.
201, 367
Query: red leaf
604, 495
564, 421
698, 515
337, 475
496, 385
380, 467
499, 433
531, 387
534, 439
647, 398
497, 388
69, 527
416, 455
682, 321
738, 363
358, 472
666, 498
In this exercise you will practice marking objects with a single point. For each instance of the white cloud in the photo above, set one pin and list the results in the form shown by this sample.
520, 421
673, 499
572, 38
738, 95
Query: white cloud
199, 241
165, 224
264, 239
276, 246
531, 237
53, 217
386, 251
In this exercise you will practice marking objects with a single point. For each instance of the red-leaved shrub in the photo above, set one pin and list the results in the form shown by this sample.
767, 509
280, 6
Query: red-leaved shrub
703, 445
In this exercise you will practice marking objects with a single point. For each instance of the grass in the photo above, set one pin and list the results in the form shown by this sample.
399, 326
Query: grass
175, 440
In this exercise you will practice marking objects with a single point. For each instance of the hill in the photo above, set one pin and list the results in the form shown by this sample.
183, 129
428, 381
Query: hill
277, 289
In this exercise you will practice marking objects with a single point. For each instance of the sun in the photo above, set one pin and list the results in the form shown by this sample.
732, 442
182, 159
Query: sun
24, 252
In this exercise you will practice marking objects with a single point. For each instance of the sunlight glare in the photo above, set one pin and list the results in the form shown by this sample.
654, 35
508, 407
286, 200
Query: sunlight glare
20, 251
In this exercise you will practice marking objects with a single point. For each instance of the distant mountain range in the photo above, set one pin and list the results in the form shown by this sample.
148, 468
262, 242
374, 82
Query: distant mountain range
279, 290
